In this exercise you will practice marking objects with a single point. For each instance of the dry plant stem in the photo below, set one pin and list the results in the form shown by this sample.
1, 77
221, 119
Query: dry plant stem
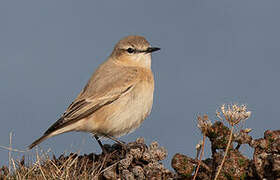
109, 167
67, 161
14, 166
39, 164
29, 171
224, 158
10, 152
11, 149
103, 163
202, 164
59, 171
200, 158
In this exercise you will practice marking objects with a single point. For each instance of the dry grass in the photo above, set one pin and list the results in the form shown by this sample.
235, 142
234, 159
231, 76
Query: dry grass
139, 161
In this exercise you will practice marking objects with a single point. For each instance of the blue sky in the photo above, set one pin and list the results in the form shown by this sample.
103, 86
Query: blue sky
212, 52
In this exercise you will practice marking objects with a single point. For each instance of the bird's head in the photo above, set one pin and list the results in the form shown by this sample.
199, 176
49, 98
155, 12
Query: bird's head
133, 51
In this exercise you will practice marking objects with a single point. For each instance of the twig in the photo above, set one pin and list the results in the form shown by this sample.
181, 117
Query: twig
67, 160
39, 164
69, 166
11, 149
15, 169
226, 152
30, 170
14, 164
109, 167
102, 164
200, 157
10, 152
55, 165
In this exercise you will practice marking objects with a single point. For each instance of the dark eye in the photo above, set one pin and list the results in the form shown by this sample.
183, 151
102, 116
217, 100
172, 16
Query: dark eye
130, 50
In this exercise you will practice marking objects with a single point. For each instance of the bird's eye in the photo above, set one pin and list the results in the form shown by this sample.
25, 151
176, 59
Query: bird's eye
130, 50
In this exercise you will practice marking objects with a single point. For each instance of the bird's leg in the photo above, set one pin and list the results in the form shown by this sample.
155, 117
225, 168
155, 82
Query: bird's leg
117, 141
100, 144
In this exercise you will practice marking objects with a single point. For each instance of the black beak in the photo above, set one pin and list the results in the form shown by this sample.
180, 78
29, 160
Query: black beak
152, 49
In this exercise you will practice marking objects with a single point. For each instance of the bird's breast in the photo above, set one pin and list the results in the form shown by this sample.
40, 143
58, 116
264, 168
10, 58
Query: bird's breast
128, 112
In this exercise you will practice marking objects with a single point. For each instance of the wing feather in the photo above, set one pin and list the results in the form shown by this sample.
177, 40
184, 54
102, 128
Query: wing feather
87, 103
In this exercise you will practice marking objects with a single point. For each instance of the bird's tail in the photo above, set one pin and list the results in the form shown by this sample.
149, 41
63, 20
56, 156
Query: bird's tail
38, 141
58, 127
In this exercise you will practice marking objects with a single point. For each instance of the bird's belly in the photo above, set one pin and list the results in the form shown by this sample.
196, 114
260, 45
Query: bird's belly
127, 113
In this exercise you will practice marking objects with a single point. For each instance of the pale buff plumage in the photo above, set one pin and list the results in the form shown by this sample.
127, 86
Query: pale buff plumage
118, 96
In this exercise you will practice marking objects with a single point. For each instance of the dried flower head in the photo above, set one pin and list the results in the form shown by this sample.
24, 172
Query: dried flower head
233, 113
203, 123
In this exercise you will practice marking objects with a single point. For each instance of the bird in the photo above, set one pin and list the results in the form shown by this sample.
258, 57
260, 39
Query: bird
116, 99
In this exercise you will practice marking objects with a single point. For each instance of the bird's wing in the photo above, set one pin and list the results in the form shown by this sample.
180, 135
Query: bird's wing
86, 105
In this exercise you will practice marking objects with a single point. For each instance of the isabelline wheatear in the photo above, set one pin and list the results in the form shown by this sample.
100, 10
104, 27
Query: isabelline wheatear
116, 99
